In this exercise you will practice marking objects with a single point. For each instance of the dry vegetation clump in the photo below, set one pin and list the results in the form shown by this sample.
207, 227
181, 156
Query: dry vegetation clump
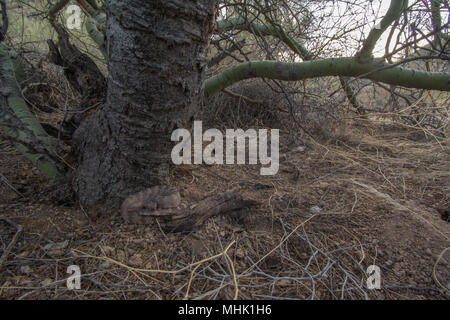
297, 109
253, 104
47, 91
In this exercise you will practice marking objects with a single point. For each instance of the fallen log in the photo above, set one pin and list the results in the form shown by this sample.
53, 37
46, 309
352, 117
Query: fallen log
163, 205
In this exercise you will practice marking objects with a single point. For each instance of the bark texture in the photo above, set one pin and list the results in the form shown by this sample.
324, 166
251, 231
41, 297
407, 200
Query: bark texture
157, 60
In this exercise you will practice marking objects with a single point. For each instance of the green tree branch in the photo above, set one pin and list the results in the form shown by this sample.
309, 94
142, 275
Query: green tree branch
20, 124
344, 67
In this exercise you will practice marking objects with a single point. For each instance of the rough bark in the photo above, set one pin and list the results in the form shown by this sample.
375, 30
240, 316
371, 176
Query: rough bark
157, 59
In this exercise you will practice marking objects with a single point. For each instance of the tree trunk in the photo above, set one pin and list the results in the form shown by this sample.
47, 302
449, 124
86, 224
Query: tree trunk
157, 60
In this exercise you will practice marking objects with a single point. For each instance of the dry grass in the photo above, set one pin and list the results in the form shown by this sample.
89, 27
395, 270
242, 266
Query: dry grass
359, 193
369, 197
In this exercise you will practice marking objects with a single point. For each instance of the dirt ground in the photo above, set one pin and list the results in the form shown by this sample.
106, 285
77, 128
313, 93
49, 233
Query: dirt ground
375, 195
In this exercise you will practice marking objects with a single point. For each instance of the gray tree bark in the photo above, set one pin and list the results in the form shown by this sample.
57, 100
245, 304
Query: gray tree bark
157, 60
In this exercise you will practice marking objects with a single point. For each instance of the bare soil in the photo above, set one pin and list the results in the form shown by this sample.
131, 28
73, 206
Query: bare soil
372, 196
